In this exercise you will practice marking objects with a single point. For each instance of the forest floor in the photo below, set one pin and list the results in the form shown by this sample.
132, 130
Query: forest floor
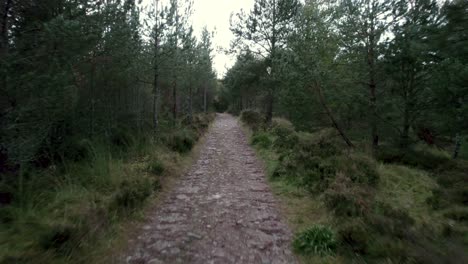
221, 211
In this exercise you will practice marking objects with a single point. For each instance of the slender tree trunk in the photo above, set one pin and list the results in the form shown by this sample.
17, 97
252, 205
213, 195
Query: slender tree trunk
156, 73
4, 9
190, 102
406, 124
331, 116
372, 89
457, 146
174, 98
205, 98
269, 109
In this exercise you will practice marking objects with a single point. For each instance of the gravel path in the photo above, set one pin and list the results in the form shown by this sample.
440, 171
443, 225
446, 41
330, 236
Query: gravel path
222, 210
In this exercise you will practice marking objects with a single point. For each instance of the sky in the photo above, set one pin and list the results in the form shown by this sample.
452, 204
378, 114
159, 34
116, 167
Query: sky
215, 14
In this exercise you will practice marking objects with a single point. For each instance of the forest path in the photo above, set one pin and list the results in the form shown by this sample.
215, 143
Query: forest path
221, 211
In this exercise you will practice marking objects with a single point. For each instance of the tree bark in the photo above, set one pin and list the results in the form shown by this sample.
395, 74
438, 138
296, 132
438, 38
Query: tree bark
372, 88
457, 146
331, 116
205, 98
156, 73
174, 102
190, 102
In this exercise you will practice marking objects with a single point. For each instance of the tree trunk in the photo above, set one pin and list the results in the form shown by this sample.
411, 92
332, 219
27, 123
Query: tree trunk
156, 73
269, 109
372, 89
332, 118
4, 9
457, 146
174, 98
406, 125
190, 102
205, 98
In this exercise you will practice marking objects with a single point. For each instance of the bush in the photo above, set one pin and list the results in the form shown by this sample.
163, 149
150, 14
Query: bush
182, 141
155, 167
252, 119
201, 122
424, 157
133, 193
390, 221
459, 214
281, 127
347, 199
389, 248
286, 137
121, 138
353, 234
360, 169
262, 140
78, 150
318, 240
58, 237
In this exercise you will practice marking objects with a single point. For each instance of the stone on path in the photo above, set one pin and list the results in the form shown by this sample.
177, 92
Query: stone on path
221, 211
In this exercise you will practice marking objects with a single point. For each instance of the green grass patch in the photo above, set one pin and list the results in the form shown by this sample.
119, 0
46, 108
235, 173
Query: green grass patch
316, 240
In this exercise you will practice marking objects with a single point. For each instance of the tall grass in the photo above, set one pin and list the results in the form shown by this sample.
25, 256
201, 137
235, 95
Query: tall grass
58, 213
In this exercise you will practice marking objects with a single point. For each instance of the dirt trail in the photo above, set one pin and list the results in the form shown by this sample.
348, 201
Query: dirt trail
222, 210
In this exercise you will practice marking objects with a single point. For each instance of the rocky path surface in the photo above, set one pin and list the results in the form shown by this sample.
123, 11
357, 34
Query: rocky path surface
222, 210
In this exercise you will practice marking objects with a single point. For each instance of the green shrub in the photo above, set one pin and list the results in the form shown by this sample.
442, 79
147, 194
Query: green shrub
78, 150
155, 167
281, 127
354, 234
424, 157
262, 139
201, 122
132, 193
360, 169
58, 237
121, 138
317, 240
252, 119
386, 247
182, 141
390, 221
459, 214
346, 199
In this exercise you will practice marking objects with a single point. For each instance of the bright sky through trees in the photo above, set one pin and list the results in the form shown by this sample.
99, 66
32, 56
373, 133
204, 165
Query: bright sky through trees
215, 15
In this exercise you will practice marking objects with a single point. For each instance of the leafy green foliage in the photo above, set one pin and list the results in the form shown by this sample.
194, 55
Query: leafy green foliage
252, 119
262, 140
156, 167
319, 240
182, 141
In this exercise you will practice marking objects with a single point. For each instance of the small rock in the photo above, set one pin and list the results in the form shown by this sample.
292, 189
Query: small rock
155, 261
193, 235
182, 197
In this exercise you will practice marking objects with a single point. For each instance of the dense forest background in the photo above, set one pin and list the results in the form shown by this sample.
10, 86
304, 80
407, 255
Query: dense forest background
394, 72
98, 99
359, 109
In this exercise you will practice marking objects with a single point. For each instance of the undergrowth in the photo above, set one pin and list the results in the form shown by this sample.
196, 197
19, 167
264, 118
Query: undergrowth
408, 206
60, 213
